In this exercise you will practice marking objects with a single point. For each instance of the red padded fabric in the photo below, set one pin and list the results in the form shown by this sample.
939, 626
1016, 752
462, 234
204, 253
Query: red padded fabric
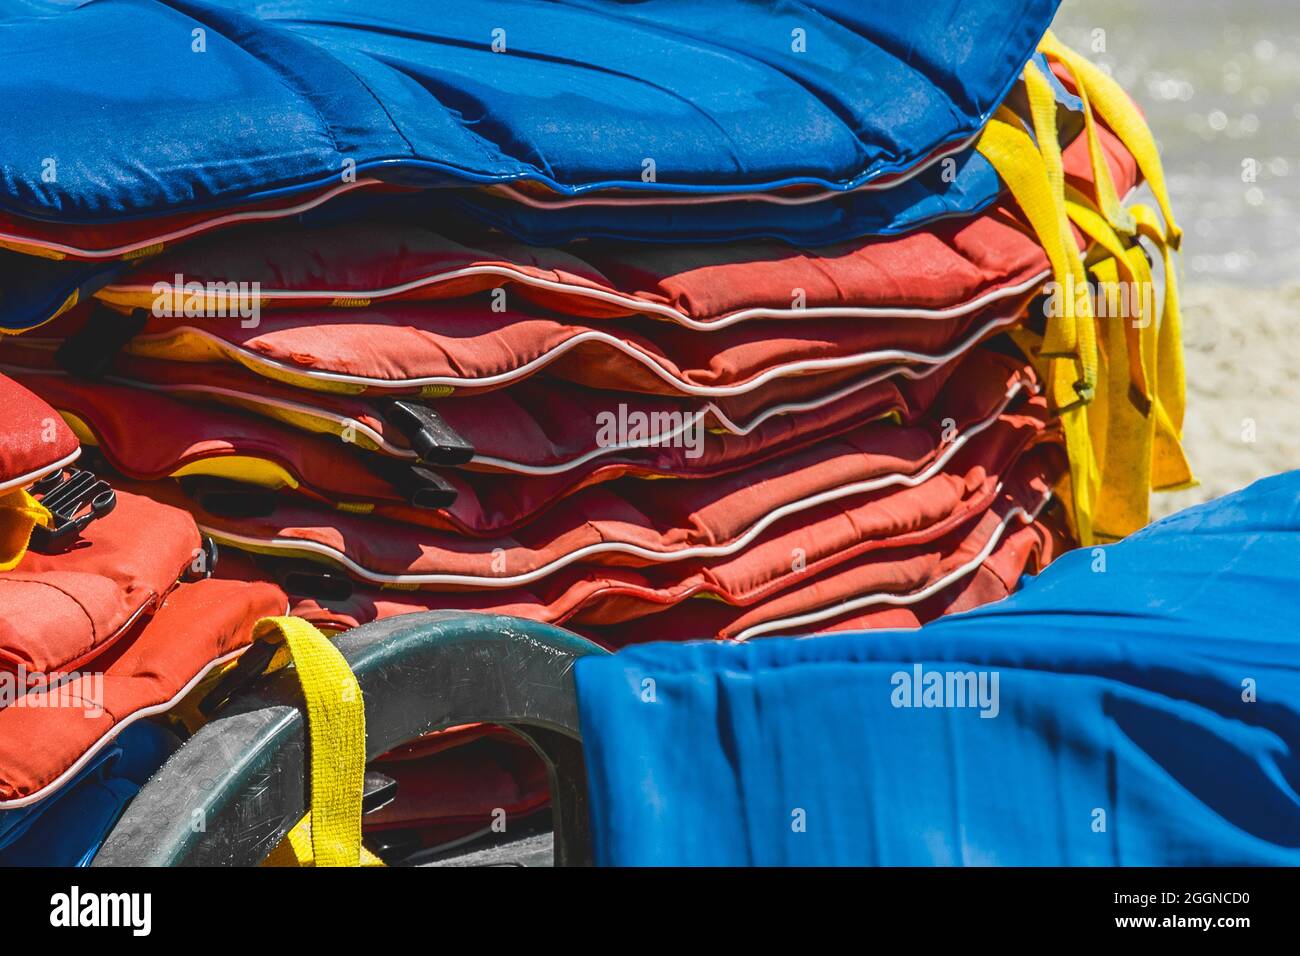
541, 423
1025, 550
636, 522
197, 626
62, 609
581, 596
949, 266
906, 571
901, 563
463, 785
33, 438
402, 348
148, 435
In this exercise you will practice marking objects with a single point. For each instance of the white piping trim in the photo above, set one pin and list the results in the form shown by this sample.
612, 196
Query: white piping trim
621, 547
167, 389
112, 733
22, 481
507, 465
835, 610
710, 408
645, 307
253, 215
312, 411
650, 362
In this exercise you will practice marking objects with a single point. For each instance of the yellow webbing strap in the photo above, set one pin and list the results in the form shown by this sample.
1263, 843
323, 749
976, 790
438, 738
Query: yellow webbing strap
1170, 469
1171, 376
20, 513
1021, 167
1070, 346
1062, 337
1121, 430
1139, 328
1103, 184
330, 834
1109, 101
295, 850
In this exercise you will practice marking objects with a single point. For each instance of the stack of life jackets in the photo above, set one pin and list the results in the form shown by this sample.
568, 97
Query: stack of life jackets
659, 322
109, 617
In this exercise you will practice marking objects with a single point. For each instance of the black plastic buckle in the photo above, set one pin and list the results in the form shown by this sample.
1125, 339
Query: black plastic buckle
250, 666
302, 578
420, 487
204, 563
431, 438
230, 499
74, 498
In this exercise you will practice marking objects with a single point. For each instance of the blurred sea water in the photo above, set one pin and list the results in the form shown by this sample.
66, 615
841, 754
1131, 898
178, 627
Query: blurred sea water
1219, 81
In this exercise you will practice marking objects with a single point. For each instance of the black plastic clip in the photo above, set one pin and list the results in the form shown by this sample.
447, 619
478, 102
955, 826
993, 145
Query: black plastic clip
204, 563
431, 438
250, 666
301, 578
420, 487
230, 499
74, 498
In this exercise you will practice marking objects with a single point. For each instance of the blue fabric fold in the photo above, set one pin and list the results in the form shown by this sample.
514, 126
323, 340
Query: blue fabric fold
1141, 707
68, 827
186, 105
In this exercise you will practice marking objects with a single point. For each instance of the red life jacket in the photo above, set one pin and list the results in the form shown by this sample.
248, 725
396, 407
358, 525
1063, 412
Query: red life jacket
920, 473
905, 575
955, 266
34, 440
146, 671
148, 436
904, 586
446, 794
820, 540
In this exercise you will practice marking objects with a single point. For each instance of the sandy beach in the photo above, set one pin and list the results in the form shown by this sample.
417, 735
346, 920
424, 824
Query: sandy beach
1220, 85
1243, 387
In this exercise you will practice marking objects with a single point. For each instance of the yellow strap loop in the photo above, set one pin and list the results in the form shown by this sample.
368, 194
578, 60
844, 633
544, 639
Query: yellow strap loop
1103, 184
1117, 111
1170, 469
20, 513
336, 733
1070, 345
1171, 375
1023, 169
1061, 337
295, 850
1133, 270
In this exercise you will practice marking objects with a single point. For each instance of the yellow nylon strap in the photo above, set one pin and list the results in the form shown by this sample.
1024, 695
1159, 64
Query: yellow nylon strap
1103, 184
295, 850
20, 513
1108, 99
1061, 337
1140, 328
336, 734
1070, 346
1042, 110
1023, 169
1171, 374
1171, 469
1122, 432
